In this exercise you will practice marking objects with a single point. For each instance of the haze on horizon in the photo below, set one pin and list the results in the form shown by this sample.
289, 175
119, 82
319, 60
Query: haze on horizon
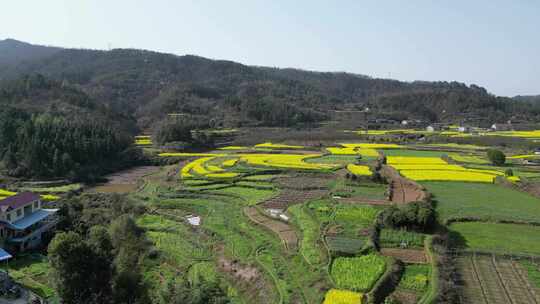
493, 44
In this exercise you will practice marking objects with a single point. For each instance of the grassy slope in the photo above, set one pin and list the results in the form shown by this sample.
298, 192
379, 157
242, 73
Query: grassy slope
501, 238
224, 223
486, 201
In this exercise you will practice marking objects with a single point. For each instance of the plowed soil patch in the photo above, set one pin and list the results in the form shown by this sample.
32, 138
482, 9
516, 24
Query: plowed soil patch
415, 256
304, 182
405, 297
248, 278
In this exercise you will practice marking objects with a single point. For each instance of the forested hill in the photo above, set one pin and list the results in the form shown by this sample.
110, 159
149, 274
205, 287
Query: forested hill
528, 98
151, 85
14, 52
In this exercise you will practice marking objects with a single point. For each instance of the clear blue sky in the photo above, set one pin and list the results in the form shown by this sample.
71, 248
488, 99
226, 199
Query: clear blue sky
495, 44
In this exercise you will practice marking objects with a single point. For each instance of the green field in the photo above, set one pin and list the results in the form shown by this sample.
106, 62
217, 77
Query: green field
32, 272
484, 201
310, 228
499, 238
225, 226
334, 159
361, 189
394, 238
415, 277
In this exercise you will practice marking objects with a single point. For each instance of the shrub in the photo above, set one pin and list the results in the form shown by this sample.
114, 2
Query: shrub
496, 157
509, 172
416, 215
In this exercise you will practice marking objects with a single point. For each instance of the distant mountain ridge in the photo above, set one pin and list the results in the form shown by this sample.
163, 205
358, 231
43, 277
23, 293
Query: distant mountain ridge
13, 52
527, 98
149, 85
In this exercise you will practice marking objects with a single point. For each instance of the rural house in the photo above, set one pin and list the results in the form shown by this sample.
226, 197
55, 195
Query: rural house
23, 221
501, 127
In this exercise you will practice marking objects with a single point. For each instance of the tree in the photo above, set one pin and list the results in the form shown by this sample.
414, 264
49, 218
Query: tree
77, 271
129, 246
496, 157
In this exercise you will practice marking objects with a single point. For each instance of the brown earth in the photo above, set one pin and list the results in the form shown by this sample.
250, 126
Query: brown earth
285, 232
125, 181
131, 176
248, 278
402, 190
405, 297
413, 256
287, 198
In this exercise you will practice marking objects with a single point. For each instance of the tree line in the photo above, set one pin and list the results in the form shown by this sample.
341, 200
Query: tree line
47, 145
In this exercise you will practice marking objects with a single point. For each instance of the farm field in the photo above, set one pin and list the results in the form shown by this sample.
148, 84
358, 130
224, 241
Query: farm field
32, 272
286, 223
483, 201
494, 279
494, 237
313, 218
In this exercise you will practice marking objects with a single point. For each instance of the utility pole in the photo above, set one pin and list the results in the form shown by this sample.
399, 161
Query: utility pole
366, 111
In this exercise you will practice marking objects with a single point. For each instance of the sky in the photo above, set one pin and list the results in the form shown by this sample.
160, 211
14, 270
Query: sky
491, 43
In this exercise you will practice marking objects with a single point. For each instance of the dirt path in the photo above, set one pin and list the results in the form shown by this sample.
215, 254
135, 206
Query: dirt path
285, 232
402, 190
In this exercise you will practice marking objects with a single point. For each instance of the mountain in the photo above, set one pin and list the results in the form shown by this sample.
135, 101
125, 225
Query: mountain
528, 98
13, 52
149, 85
36, 94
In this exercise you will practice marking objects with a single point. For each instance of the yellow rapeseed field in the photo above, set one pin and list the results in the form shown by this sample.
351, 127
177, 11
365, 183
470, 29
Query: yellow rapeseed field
367, 152
229, 162
342, 151
6, 193
200, 168
447, 175
524, 134
285, 161
359, 169
523, 156
436, 169
46, 197
337, 296
234, 148
143, 140
513, 178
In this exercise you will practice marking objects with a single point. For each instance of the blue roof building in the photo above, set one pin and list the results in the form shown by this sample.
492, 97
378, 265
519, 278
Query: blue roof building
23, 222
